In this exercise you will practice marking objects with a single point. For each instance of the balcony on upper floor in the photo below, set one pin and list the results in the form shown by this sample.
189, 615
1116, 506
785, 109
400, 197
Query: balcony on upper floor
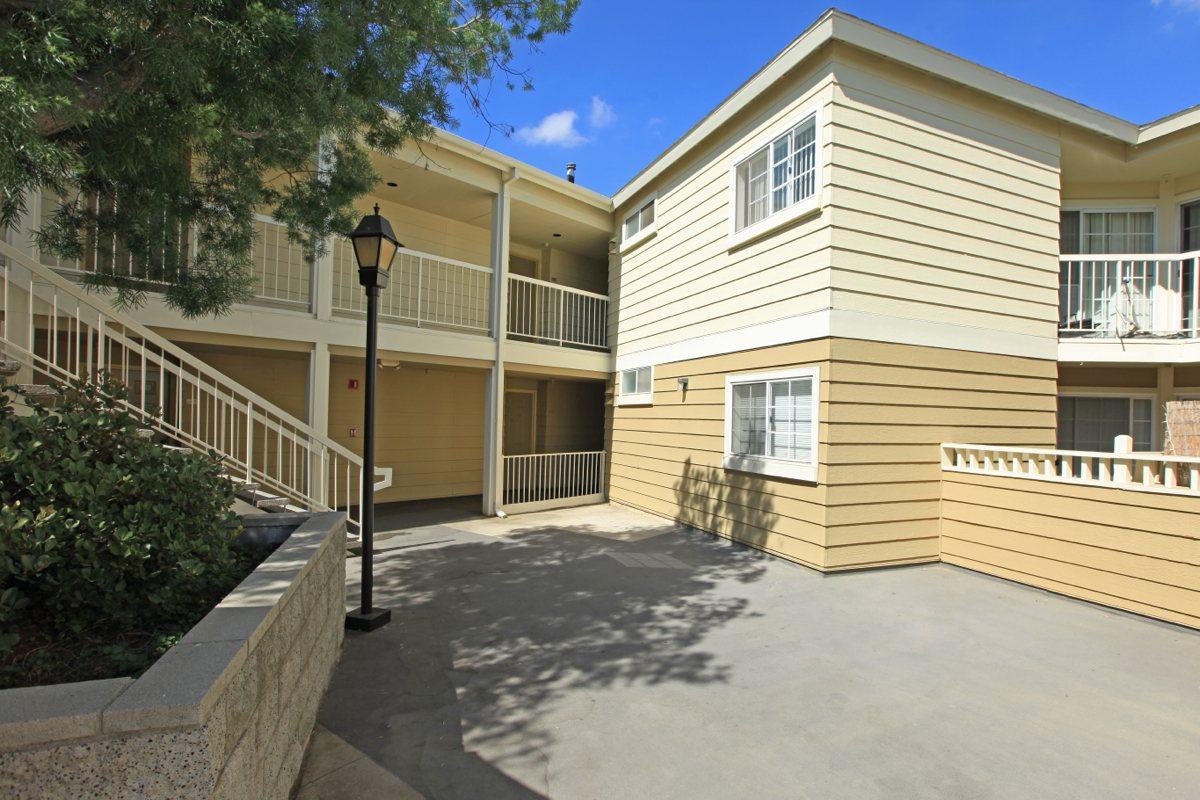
1129, 296
441, 293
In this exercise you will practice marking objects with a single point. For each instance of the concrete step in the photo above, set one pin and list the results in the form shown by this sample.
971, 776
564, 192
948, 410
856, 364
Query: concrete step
273, 504
37, 393
9, 367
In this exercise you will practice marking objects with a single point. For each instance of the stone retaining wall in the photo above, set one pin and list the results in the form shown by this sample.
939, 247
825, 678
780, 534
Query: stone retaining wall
225, 713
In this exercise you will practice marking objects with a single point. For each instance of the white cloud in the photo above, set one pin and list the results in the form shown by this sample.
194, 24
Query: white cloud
602, 114
555, 129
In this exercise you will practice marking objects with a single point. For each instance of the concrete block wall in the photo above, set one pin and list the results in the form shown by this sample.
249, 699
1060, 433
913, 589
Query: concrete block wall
226, 713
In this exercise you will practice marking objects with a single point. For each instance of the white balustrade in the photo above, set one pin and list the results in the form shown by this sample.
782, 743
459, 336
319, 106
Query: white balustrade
1122, 468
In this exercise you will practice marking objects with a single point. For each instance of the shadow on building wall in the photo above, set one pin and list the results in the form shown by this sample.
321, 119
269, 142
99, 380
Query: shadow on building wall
727, 503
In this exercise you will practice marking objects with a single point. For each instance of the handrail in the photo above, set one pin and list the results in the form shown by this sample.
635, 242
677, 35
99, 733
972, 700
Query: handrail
198, 405
400, 251
550, 313
553, 285
1190, 254
1121, 295
536, 481
423, 289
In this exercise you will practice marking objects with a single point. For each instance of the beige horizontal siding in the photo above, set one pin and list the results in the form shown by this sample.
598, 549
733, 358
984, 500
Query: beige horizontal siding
890, 407
429, 427
945, 208
685, 281
1138, 551
666, 459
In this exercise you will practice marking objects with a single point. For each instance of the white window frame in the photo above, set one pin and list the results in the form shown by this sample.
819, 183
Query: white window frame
645, 398
794, 210
1182, 201
1115, 209
628, 242
790, 469
1123, 395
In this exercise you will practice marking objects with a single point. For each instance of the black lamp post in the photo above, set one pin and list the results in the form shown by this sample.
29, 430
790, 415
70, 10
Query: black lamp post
374, 248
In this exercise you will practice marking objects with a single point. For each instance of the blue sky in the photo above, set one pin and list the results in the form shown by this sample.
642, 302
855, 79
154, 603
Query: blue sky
634, 75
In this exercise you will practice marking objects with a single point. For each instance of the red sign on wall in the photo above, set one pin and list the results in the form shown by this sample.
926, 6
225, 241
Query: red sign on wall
354, 433
352, 383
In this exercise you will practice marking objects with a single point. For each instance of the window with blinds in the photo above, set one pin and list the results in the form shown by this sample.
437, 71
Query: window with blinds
1190, 227
772, 418
1093, 422
776, 176
1105, 232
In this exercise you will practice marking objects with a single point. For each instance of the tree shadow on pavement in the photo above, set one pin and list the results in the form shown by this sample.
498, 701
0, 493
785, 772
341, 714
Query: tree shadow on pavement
494, 638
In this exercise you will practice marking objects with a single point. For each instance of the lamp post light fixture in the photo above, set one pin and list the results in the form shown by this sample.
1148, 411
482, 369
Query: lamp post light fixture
375, 247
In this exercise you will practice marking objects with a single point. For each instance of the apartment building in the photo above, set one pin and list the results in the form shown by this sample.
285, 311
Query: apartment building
873, 247
870, 249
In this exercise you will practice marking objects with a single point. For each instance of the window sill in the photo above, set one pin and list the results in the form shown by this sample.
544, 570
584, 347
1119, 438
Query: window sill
773, 223
771, 467
639, 239
643, 399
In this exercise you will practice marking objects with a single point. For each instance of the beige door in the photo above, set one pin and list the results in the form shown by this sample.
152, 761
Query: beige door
520, 409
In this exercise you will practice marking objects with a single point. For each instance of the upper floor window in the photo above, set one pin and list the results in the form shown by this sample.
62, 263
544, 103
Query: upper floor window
1101, 232
778, 175
1190, 227
637, 386
640, 222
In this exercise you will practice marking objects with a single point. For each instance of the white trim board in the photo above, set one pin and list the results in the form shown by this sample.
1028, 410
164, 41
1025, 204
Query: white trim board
1129, 351
846, 324
791, 469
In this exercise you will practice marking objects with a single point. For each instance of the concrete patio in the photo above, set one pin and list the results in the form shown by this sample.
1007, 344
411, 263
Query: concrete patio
603, 653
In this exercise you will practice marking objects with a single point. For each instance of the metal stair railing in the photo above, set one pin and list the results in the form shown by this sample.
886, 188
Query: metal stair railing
62, 332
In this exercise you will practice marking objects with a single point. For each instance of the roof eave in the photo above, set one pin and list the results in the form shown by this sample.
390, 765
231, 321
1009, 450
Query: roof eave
838, 26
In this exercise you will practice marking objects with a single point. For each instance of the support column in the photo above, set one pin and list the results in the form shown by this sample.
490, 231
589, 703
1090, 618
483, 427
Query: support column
493, 445
1165, 391
321, 282
317, 415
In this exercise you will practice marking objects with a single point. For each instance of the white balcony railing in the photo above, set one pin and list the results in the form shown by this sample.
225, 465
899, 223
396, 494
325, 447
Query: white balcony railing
553, 480
61, 333
280, 268
1136, 471
1129, 295
422, 290
549, 313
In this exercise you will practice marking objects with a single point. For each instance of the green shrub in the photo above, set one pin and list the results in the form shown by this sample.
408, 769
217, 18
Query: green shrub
100, 529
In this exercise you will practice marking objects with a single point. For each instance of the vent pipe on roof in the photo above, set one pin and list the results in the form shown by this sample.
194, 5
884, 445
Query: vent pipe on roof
571, 172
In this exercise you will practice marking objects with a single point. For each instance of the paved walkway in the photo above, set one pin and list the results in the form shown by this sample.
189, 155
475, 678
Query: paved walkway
602, 653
